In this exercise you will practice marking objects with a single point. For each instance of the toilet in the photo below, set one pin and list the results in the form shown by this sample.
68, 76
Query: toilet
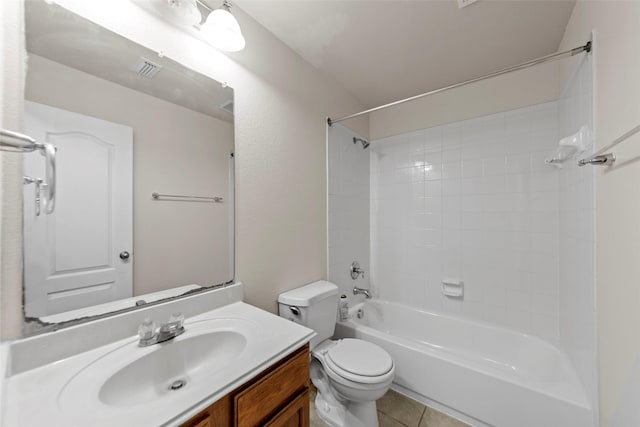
350, 374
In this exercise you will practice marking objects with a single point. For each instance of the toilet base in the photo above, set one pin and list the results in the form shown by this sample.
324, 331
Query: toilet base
332, 414
351, 414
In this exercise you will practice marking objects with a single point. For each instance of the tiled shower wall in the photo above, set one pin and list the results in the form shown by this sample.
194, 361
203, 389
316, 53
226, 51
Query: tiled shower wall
577, 233
471, 201
348, 209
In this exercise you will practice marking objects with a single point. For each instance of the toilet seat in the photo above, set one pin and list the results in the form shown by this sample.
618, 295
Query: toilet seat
359, 361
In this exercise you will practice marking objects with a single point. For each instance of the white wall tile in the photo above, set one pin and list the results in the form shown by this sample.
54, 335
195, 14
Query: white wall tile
481, 206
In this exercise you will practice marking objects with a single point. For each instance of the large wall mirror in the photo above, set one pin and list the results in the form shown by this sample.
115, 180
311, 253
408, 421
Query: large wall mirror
144, 191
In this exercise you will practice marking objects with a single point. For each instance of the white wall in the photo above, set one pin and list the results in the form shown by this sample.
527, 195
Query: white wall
507, 92
617, 109
348, 210
577, 233
281, 105
471, 201
174, 243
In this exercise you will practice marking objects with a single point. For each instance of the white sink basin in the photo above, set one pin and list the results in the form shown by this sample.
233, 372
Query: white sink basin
121, 384
171, 367
130, 375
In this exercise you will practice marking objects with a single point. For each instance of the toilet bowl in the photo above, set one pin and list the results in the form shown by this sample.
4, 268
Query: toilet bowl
349, 374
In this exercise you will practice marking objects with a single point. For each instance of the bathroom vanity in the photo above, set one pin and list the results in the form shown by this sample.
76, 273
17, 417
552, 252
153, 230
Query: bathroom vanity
235, 365
279, 396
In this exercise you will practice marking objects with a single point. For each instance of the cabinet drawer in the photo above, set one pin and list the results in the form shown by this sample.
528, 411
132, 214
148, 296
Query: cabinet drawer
272, 392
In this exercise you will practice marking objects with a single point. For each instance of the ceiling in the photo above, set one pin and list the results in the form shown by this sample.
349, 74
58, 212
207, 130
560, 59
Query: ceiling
64, 37
382, 51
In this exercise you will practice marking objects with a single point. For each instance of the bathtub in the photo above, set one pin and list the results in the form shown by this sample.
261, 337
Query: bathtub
481, 373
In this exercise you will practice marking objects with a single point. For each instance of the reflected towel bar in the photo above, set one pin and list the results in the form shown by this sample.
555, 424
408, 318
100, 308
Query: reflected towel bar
20, 143
216, 199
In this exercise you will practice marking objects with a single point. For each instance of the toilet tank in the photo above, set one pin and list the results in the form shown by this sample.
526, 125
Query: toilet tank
314, 305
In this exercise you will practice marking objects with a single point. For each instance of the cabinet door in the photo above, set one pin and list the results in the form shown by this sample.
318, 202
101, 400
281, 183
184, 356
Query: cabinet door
295, 414
257, 403
217, 415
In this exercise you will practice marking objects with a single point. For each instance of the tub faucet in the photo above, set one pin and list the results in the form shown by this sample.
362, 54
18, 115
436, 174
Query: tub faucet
364, 292
167, 331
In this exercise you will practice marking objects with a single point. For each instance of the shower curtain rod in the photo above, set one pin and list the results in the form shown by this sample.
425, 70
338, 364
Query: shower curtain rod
547, 58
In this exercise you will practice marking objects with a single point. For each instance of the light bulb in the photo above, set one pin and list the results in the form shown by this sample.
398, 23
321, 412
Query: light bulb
222, 30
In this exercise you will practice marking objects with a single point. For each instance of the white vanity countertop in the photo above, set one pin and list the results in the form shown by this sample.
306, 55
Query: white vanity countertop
62, 394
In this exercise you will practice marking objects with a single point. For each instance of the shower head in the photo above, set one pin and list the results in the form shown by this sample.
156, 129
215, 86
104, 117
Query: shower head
365, 144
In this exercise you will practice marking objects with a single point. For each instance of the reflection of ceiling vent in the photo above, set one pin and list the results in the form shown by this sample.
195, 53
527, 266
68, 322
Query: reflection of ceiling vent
227, 106
463, 3
146, 68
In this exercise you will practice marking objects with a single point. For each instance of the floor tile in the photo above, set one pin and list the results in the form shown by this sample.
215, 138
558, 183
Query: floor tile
314, 419
433, 418
397, 410
386, 421
401, 408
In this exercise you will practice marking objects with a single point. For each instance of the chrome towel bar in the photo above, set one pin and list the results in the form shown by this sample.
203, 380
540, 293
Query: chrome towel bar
216, 199
602, 159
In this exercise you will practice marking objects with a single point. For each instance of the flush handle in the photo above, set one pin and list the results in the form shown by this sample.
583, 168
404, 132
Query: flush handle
295, 310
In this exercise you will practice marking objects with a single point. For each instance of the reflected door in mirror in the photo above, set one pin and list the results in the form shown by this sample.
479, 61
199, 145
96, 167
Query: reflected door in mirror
73, 256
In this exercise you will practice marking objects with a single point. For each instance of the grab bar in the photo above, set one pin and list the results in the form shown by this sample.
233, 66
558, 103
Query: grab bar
20, 143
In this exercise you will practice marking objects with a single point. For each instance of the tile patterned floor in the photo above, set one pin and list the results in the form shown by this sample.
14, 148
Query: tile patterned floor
397, 410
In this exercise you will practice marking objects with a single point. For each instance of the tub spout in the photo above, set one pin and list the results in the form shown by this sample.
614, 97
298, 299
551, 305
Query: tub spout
364, 292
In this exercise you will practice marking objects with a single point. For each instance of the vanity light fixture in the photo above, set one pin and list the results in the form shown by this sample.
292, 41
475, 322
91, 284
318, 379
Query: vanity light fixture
180, 12
222, 30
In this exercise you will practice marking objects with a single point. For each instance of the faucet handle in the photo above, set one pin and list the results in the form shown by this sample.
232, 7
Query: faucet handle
147, 329
178, 319
172, 328
356, 270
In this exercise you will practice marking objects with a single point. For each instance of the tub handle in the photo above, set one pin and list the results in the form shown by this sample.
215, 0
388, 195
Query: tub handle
356, 271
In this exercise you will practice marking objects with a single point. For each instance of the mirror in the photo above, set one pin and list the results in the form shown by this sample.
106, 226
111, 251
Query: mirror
144, 174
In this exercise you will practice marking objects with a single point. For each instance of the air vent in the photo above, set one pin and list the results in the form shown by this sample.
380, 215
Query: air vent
227, 106
463, 3
146, 68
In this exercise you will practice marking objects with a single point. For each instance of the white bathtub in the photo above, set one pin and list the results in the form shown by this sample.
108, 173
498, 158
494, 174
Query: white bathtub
483, 373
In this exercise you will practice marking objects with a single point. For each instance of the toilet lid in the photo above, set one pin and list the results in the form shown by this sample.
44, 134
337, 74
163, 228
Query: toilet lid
360, 358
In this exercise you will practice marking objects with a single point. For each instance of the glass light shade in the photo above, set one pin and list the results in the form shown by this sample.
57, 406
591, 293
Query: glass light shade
222, 30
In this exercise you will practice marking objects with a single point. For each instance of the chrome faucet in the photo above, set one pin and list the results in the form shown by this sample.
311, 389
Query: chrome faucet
364, 292
167, 331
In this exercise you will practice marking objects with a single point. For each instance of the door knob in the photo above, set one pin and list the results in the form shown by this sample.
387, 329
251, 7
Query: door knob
124, 255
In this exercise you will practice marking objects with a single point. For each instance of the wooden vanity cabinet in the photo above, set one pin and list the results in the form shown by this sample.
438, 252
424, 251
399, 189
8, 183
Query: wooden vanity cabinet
277, 397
